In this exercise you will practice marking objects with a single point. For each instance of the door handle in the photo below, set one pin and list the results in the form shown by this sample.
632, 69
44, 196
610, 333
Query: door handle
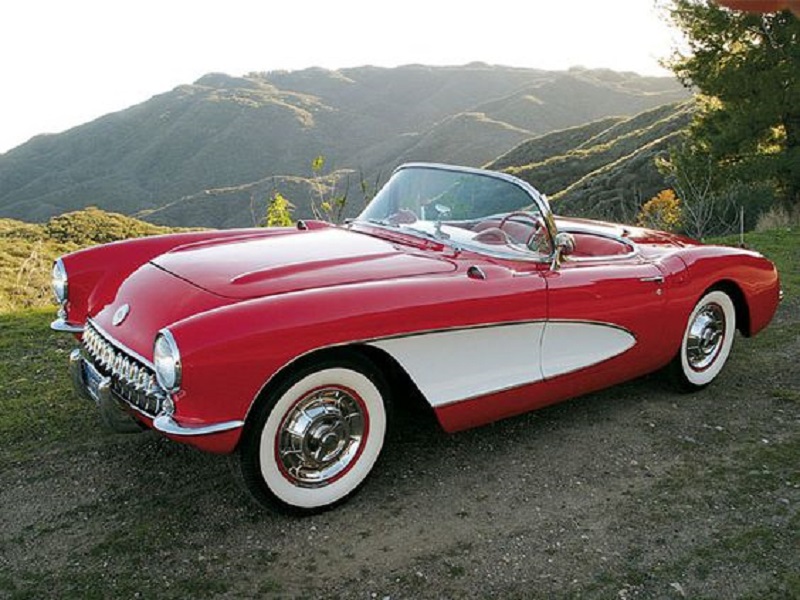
659, 279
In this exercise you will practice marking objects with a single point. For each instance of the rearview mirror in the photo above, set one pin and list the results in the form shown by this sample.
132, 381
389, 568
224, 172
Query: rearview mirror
565, 245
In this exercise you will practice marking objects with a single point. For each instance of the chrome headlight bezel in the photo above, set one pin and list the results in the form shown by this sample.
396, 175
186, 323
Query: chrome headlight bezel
167, 361
59, 282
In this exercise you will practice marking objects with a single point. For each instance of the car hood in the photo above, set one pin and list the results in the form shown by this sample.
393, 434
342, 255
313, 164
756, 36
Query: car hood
293, 261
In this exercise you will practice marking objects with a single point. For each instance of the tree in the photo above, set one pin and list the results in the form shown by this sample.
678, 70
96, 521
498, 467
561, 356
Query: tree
331, 208
747, 69
279, 211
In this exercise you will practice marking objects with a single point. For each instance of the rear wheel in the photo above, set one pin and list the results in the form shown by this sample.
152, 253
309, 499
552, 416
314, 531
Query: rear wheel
316, 438
706, 342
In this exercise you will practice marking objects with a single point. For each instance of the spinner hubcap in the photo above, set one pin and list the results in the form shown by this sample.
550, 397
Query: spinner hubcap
706, 336
321, 436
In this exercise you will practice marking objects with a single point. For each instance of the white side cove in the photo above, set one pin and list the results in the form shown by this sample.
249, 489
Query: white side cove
451, 366
569, 346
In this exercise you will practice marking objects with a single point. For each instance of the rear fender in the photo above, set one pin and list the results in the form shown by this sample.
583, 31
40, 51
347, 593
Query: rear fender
751, 279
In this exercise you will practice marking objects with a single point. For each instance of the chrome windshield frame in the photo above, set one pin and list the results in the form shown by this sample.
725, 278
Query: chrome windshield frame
538, 203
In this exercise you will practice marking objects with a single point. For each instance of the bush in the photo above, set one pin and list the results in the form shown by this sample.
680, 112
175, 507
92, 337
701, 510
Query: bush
663, 211
94, 226
778, 218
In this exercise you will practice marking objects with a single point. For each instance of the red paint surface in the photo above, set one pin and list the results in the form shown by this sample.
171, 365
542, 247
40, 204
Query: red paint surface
245, 305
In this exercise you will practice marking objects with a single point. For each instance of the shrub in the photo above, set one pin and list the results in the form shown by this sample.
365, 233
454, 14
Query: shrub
778, 218
663, 211
279, 211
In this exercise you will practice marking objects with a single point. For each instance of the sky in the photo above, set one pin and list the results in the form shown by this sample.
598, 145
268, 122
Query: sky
67, 62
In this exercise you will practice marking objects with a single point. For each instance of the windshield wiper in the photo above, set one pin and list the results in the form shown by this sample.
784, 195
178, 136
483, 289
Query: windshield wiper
382, 222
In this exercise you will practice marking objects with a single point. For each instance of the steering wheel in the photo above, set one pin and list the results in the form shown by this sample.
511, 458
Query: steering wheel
538, 227
403, 217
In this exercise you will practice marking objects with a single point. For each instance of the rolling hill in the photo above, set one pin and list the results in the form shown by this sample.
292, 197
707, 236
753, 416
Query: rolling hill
210, 153
604, 169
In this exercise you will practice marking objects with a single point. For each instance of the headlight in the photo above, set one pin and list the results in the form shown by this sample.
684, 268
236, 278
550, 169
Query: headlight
167, 361
59, 282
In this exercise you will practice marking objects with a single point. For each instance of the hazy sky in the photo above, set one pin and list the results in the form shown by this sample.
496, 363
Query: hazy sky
66, 62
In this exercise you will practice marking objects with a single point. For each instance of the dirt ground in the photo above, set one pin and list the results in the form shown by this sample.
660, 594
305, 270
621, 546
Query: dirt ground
635, 492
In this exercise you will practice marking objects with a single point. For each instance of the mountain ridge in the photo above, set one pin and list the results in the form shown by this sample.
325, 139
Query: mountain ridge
223, 132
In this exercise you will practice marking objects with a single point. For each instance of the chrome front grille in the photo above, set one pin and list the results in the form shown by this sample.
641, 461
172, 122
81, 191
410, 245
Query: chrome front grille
132, 380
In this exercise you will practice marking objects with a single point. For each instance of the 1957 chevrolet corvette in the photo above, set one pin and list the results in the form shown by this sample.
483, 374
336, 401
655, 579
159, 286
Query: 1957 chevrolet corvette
460, 285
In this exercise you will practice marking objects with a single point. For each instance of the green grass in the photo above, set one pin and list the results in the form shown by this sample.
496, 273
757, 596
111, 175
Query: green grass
781, 246
37, 409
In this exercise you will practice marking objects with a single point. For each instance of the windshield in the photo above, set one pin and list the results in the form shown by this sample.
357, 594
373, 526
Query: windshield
467, 208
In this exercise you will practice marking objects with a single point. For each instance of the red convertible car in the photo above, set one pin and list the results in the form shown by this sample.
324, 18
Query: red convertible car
287, 345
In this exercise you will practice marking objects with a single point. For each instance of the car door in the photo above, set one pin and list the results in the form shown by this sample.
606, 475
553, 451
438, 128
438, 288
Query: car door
600, 310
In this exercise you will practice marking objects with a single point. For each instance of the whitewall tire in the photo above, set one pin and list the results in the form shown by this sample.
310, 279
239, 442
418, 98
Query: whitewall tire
315, 439
707, 341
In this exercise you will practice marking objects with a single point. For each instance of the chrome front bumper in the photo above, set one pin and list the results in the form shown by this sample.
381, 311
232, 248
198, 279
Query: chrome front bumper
92, 385
63, 326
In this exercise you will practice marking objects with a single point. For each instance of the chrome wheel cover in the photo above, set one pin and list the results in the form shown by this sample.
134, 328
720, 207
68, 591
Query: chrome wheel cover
706, 337
321, 437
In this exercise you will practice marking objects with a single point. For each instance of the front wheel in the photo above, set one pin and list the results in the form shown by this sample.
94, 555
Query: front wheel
316, 438
706, 342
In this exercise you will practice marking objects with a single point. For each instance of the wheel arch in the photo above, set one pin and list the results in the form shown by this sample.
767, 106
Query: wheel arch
737, 296
400, 389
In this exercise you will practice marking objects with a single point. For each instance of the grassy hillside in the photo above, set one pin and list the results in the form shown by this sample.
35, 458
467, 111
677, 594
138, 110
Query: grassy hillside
27, 251
602, 169
556, 143
245, 205
226, 133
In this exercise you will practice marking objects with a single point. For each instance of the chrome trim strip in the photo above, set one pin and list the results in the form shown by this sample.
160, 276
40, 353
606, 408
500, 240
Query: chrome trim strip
608, 258
64, 326
368, 341
166, 424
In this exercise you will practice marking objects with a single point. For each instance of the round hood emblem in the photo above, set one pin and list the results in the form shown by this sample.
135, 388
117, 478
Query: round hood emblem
120, 314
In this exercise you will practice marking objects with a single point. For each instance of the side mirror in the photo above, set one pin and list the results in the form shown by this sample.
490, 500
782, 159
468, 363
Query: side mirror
565, 245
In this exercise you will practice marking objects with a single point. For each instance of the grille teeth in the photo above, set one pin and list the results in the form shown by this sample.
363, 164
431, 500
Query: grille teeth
131, 381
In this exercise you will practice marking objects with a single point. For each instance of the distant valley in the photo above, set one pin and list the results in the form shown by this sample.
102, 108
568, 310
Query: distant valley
211, 153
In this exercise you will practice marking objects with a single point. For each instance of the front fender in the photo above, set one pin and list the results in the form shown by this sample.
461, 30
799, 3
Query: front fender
230, 353
96, 273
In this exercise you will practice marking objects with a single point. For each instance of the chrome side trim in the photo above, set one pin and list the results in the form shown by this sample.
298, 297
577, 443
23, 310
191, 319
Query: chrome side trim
63, 326
166, 424
610, 258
